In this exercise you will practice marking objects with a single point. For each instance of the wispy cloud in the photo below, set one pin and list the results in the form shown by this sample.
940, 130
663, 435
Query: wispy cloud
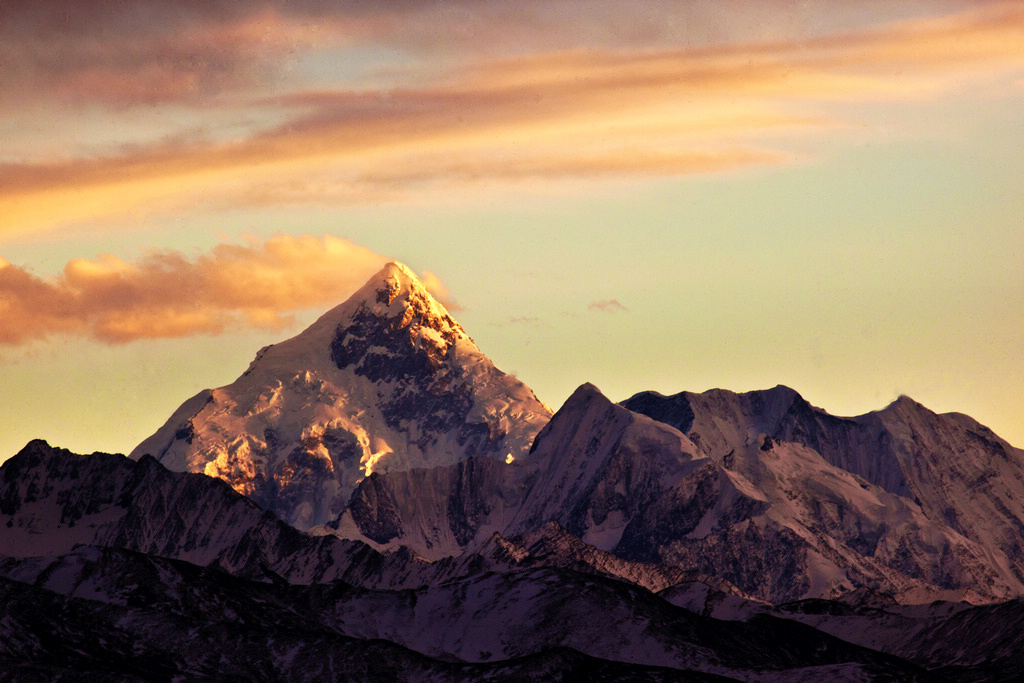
633, 104
607, 306
440, 291
156, 51
165, 294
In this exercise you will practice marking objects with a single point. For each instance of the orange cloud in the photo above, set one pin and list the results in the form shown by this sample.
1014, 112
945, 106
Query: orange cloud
157, 51
166, 294
439, 291
614, 110
608, 306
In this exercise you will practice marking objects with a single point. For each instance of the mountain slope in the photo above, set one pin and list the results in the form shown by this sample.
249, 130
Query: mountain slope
771, 517
53, 501
386, 381
593, 469
129, 609
155, 617
956, 471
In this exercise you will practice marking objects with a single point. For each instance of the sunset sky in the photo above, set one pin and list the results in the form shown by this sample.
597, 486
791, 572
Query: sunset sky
642, 195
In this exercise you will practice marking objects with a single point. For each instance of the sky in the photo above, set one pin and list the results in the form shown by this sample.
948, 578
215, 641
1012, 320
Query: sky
651, 195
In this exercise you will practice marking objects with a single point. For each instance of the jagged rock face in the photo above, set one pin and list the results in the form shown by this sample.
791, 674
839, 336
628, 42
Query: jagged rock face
436, 512
387, 381
53, 501
584, 475
771, 517
553, 546
961, 473
128, 616
619, 481
963, 485
622, 482
130, 608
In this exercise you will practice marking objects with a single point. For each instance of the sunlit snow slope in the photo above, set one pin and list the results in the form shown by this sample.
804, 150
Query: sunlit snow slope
387, 381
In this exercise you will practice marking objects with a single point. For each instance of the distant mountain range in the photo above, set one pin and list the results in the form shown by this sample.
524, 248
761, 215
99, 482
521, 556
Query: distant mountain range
383, 503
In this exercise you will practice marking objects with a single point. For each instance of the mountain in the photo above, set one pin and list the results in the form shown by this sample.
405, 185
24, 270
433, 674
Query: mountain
127, 616
387, 381
770, 517
955, 471
383, 423
460, 531
53, 501
592, 469
160, 575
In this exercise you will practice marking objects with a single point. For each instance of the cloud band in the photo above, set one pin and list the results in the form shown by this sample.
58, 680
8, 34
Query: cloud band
166, 295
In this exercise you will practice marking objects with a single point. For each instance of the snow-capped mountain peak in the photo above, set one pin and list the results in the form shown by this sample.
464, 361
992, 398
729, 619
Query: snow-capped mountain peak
397, 329
392, 302
385, 381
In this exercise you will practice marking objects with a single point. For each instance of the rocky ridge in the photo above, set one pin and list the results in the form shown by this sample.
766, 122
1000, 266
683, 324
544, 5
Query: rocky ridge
256, 598
957, 473
771, 517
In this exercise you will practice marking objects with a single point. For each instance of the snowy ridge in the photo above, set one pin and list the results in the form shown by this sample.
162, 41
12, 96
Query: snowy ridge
459, 531
957, 486
54, 503
130, 606
773, 518
259, 598
386, 381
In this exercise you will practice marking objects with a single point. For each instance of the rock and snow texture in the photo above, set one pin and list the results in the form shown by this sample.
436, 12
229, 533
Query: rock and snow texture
258, 599
600, 471
772, 517
966, 482
53, 502
385, 382
56, 505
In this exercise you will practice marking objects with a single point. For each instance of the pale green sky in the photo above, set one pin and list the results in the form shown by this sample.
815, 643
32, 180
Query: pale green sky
827, 200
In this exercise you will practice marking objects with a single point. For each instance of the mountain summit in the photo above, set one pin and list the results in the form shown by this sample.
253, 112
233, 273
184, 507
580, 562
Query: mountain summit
386, 381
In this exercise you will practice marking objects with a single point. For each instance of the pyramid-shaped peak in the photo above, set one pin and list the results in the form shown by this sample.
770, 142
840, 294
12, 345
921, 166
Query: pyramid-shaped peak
393, 278
394, 297
390, 283
385, 381
396, 294
398, 269
906, 406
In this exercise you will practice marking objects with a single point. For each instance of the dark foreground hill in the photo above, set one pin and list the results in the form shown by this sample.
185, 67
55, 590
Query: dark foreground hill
120, 602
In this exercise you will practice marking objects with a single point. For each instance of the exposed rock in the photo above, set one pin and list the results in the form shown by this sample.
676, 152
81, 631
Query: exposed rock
963, 485
780, 523
387, 381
